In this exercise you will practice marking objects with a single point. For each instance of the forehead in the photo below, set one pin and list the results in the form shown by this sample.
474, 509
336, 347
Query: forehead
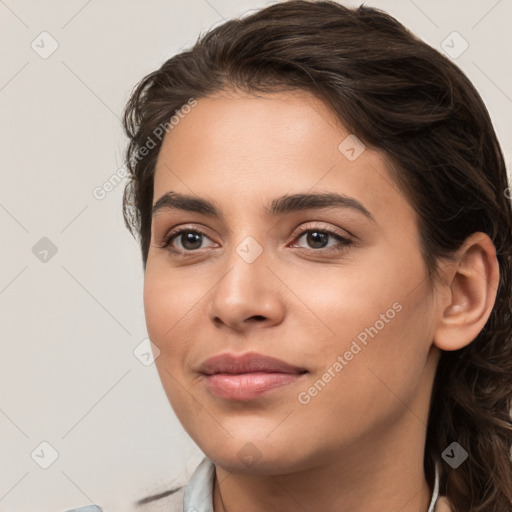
239, 150
253, 133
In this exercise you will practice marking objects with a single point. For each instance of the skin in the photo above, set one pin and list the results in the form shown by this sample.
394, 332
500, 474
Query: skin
359, 442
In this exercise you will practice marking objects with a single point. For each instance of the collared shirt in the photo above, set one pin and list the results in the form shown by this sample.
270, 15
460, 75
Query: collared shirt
197, 496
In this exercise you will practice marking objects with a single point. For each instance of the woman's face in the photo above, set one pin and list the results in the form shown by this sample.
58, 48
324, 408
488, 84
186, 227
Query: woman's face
354, 316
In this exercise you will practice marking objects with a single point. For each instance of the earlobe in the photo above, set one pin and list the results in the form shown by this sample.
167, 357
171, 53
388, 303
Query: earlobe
470, 293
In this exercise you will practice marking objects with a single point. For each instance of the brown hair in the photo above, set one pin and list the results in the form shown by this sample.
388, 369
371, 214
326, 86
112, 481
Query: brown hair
402, 97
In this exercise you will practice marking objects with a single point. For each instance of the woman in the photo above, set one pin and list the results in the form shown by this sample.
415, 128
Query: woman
337, 335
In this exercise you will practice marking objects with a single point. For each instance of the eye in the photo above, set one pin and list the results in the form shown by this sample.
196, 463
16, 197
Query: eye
189, 238
318, 239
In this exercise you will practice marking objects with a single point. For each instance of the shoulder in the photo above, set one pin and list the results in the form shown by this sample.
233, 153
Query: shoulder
167, 501
443, 505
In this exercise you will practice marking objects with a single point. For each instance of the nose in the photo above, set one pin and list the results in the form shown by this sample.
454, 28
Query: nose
248, 295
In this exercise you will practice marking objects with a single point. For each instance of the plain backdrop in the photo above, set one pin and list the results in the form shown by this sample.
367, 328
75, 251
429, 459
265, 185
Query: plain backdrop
71, 274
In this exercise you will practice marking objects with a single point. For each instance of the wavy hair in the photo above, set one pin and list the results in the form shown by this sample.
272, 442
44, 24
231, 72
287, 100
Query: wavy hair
404, 98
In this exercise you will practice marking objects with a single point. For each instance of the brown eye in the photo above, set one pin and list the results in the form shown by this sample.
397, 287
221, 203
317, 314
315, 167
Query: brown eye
190, 240
317, 240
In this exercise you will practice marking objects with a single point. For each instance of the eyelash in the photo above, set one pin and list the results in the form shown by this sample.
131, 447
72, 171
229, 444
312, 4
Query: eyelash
344, 242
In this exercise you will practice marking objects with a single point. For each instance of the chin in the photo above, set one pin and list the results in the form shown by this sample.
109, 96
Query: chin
257, 457
264, 465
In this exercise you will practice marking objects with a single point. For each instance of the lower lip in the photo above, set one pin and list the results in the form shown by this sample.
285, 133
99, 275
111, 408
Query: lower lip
247, 386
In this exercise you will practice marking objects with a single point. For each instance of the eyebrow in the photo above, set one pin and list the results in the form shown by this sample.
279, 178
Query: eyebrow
279, 205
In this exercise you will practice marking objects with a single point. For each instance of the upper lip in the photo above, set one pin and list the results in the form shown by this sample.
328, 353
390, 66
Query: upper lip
246, 363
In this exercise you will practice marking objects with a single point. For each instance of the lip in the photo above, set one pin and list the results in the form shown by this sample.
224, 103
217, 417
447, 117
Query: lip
250, 362
247, 376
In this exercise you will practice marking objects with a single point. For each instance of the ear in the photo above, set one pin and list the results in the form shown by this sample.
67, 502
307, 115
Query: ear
469, 292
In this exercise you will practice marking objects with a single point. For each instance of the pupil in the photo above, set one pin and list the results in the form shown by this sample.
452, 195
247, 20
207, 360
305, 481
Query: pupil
189, 238
316, 235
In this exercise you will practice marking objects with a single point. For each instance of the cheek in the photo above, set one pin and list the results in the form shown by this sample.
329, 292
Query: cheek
383, 343
166, 310
379, 320
158, 305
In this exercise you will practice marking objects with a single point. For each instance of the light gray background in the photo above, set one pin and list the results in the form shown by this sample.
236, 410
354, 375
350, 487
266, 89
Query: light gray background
69, 326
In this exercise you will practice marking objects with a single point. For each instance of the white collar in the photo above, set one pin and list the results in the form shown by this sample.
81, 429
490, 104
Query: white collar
435, 493
198, 495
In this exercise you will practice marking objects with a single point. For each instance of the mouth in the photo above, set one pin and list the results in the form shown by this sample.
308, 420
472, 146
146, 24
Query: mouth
247, 376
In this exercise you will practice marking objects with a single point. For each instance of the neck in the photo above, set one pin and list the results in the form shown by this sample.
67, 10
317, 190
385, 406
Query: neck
357, 480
